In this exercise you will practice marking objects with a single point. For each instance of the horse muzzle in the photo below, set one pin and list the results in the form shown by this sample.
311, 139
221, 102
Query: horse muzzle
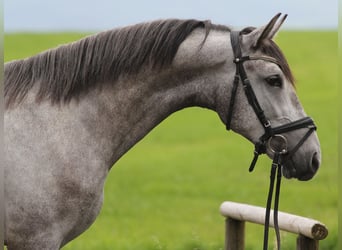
302, 168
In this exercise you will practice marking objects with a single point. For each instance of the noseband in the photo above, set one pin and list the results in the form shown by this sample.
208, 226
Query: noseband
272, 138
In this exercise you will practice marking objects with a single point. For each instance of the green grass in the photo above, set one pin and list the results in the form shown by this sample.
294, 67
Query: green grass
166, 191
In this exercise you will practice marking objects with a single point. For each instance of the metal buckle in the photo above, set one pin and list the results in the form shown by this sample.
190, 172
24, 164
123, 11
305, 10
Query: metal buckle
267, 124
237, 60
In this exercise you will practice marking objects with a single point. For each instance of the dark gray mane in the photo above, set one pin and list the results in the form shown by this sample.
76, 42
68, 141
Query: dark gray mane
69, 70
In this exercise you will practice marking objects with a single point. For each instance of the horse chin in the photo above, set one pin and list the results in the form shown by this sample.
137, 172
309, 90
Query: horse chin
289, 172
306, 177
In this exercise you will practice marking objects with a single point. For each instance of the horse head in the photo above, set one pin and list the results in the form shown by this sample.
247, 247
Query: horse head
266, 109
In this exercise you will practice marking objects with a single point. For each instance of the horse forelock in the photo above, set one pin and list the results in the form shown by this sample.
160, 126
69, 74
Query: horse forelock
270, 48
70, 70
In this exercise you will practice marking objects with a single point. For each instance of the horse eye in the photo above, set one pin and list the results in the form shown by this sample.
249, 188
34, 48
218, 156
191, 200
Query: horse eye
275, 81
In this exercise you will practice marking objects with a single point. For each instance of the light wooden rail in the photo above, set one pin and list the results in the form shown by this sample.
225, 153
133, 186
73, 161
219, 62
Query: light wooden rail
309, 231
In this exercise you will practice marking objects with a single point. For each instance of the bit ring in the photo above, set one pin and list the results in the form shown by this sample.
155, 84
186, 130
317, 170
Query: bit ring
277, 144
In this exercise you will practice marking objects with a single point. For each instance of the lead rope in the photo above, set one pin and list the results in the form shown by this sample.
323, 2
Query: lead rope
275, 169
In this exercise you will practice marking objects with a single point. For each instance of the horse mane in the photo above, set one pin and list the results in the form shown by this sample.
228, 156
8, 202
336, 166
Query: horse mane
69, 70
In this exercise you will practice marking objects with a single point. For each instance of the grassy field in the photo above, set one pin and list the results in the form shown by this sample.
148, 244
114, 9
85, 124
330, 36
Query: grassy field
166, 191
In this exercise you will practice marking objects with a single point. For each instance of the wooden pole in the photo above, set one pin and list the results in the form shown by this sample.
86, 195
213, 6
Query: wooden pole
287, 222
235, 234
305, 243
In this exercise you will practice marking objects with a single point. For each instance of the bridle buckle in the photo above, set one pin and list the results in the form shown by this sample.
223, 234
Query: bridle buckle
237, 60
267, 124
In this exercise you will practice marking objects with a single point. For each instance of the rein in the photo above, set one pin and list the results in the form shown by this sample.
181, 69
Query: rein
272, 139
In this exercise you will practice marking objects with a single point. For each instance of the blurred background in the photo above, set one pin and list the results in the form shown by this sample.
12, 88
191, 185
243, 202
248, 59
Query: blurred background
89, 15
165, 193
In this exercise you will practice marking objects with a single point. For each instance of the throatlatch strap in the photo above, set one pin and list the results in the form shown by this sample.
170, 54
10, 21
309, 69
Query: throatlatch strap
235, 42
232, 101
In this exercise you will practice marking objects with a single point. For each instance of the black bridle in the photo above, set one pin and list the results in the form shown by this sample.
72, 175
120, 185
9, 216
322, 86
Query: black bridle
272, 138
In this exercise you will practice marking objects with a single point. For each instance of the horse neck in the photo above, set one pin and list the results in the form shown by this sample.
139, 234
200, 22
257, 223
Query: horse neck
132, 106
129, 110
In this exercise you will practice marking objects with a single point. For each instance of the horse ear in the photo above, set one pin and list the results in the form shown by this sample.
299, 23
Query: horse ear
269, 31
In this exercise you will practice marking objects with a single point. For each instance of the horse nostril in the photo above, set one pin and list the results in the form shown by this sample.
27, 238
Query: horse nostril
315, 162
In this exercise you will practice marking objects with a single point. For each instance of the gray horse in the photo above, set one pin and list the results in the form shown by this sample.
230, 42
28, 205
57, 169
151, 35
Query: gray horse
73, 111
